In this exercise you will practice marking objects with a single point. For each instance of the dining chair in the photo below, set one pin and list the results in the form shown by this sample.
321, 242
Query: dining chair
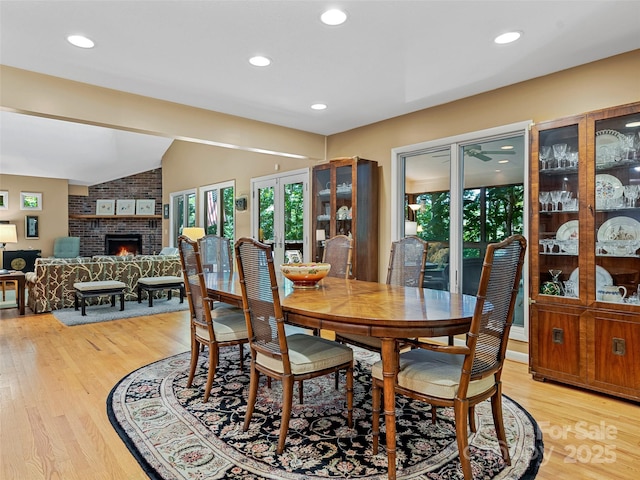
462, 376
211, 326
337, 252
291, 358
406, 268
215, 252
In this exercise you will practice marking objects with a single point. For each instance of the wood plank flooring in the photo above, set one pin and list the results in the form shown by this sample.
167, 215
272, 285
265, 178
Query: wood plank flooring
54, 382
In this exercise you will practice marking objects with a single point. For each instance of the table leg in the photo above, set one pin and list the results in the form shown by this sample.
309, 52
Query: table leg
388, 355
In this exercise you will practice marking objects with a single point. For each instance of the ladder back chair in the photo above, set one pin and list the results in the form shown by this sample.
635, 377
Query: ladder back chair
210, 327
291, 358
407, 261
337, 252
463, 376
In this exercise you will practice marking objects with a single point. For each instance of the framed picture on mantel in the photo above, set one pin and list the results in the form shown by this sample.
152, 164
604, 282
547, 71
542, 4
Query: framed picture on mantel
125, 207
105, 207
145, 207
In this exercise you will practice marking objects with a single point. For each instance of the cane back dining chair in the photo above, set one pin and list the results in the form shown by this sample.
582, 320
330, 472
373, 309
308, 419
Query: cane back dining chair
337, 252
463, 376
291, 358
210, 327
215, 252
406, 268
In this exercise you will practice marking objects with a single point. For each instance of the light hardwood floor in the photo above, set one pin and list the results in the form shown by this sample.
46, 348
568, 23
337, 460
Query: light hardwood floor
54, 382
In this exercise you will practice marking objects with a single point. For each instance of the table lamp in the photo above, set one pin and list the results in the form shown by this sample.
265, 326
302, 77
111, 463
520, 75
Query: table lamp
7, 234
194, 233
410, 228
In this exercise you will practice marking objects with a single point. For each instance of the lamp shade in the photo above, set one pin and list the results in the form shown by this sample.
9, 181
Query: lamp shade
410, 228
8, 233
320, 236
194, 233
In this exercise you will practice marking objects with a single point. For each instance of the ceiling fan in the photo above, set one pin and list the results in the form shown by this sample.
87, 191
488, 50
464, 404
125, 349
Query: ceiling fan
477, 152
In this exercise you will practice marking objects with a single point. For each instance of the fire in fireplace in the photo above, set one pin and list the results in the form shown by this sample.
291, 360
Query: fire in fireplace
123, 244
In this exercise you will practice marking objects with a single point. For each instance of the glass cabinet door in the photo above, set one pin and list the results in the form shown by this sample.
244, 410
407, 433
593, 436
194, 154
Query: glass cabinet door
617, 208
560, 161
344, 200
323, 208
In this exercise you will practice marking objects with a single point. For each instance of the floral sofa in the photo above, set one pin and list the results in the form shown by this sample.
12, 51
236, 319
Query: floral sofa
50, 285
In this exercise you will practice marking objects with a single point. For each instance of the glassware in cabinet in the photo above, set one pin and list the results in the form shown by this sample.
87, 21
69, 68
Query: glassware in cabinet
616, 187
559, 158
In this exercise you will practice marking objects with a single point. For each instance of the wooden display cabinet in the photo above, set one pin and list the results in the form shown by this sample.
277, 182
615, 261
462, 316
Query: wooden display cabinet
585, 251
345, 202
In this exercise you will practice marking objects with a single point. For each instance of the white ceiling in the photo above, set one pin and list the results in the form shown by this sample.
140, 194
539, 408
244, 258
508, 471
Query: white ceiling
388, 59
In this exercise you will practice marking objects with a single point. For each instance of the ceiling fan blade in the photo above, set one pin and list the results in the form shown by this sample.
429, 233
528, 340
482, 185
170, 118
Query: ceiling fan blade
499, 152
482, 157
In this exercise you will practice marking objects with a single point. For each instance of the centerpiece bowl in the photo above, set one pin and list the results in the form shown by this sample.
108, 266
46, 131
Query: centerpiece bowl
305, 275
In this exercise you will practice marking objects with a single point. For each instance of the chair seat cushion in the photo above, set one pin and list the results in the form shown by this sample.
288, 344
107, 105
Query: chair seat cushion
158, 281
308, 353
433, 373
227, 328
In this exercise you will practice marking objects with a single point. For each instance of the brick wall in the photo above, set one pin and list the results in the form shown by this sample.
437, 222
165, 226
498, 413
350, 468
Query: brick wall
146, 185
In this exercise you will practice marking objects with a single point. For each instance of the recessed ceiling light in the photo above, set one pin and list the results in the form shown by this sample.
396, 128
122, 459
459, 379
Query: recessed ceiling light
506, 147
318, 106
503, 161
632, 124
507, 37
259, 61
333, 17
80, 41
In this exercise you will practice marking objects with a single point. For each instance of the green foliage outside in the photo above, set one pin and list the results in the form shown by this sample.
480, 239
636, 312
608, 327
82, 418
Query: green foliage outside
490, 214
293, 211
227, 214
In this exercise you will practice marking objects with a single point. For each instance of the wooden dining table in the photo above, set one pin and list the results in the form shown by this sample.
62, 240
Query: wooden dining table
388, 312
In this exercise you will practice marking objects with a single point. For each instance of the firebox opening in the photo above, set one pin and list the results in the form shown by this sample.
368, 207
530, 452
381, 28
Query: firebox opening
123, 244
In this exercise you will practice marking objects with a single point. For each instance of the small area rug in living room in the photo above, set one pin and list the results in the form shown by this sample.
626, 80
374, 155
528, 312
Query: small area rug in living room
174, 435
106, 313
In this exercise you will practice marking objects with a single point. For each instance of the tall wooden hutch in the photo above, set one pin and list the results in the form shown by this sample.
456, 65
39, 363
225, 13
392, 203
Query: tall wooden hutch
585, 251
345, 202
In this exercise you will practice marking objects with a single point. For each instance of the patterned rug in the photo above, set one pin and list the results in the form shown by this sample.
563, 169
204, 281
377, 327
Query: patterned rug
174, 435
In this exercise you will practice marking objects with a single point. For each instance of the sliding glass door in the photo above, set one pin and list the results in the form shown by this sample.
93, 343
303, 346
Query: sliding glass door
460, 194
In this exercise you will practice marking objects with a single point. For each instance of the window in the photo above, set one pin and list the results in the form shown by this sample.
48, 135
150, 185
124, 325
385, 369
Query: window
218, 209
182, 213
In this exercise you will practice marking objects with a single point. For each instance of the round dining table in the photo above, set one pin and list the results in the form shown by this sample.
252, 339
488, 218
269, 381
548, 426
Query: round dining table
388, 312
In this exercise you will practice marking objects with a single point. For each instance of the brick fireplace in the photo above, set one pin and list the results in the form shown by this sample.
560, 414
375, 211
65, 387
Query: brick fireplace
93, 229
123, 244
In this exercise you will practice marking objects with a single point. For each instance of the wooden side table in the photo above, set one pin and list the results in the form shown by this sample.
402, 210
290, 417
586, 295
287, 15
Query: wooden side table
19, 278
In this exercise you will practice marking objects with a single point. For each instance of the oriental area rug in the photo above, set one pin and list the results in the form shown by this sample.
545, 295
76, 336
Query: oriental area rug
174, 435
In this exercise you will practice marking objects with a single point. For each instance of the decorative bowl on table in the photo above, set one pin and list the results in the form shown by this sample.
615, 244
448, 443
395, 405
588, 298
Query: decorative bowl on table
305, 275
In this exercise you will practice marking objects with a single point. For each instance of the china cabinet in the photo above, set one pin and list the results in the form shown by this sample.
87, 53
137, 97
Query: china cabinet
585, 271
345, 202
